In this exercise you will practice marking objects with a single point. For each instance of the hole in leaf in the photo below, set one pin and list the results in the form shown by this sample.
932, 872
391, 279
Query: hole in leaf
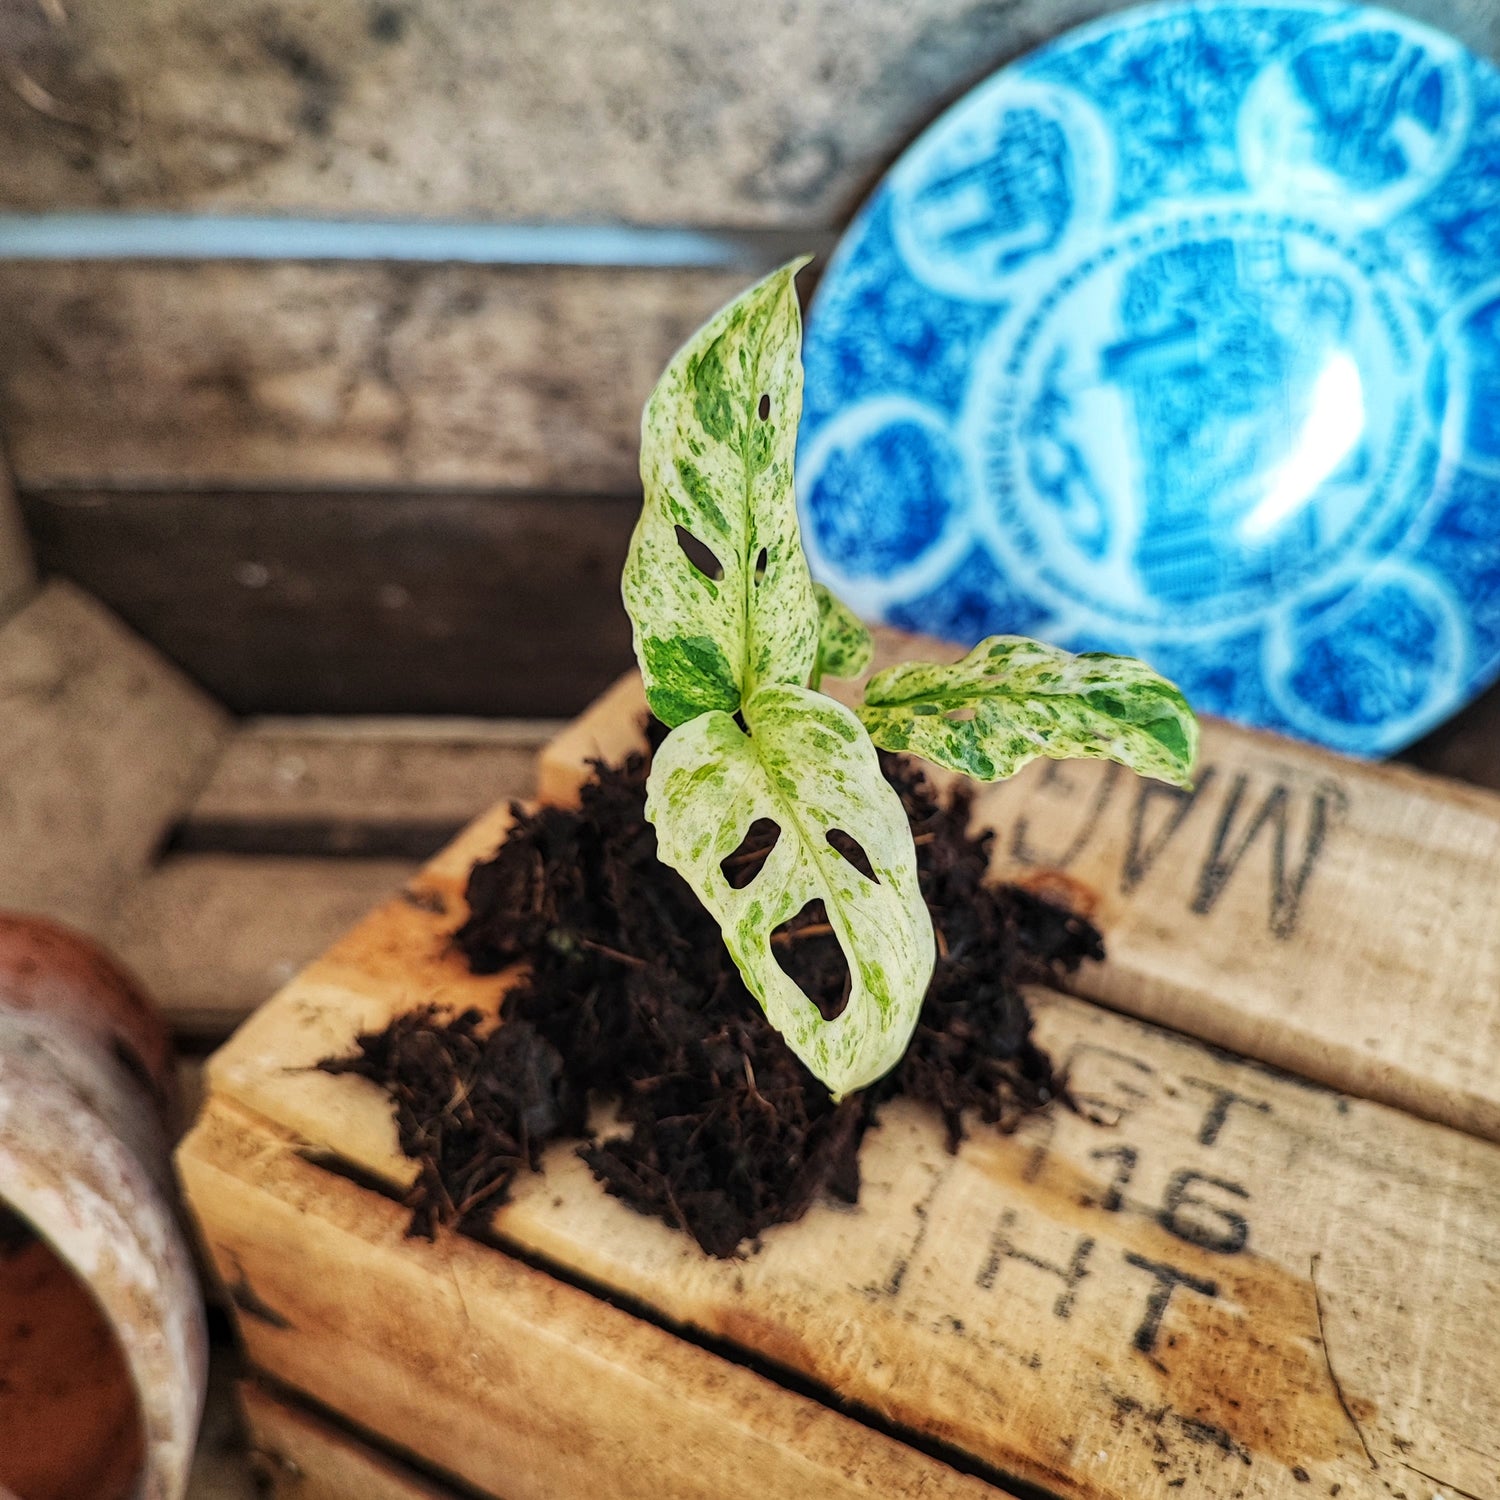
764, 409
749, 858
699, 554
811, 956
760, 566
852, 850
959, 715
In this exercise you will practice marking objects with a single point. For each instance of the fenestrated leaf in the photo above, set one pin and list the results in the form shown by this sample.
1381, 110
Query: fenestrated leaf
844, 645
717, 443
1010, 700
808, 766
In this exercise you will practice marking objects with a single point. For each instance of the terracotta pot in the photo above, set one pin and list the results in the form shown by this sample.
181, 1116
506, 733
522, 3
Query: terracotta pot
102, 1340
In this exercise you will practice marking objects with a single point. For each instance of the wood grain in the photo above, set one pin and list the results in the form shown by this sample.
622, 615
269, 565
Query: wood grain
211, 936
302, 827
102, 745
1298, 907
1215, 1273
521, 1386
273, 374
360, 603
371, 787
669, 111
299, 1456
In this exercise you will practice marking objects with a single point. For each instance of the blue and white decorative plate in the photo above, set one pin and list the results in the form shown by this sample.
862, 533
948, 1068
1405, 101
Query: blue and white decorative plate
1181, 337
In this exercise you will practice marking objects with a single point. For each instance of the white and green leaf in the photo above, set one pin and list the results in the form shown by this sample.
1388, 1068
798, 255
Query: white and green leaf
844, 645
718, 438
808, 766
1011, 700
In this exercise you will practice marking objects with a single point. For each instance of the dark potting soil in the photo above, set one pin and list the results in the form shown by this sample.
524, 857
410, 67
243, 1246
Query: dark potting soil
631, 995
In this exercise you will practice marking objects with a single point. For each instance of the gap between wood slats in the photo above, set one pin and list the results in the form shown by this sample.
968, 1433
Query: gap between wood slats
198, 237
390, 1473
360, 602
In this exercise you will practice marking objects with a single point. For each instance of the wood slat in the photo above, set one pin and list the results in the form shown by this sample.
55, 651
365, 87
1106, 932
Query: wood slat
302, 826
211, 936
668, 111
359, 786
102, 745
300, 1456
293, 374
1299, 908
1216, 1274
521, 1386
360, 603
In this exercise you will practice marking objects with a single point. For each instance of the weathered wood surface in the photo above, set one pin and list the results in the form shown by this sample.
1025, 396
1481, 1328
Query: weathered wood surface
298, 1456
672, 111
522, 1386
359, 786
361, 603
102, 745
1224, 1277
1333, 918
302, 827
211, 936
214, 373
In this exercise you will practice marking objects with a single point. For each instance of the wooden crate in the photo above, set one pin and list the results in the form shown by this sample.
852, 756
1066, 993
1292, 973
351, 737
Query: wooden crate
1246, 1282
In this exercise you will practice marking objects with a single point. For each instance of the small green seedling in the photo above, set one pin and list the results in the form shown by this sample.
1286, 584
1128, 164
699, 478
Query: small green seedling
734, 640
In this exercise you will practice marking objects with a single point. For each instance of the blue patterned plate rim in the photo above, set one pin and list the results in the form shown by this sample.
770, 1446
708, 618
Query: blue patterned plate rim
1180, 336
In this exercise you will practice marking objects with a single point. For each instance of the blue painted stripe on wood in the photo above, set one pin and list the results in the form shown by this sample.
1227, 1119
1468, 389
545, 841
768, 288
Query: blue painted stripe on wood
92, 236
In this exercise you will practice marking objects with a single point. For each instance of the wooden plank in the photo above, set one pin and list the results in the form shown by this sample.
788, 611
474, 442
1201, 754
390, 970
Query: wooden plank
273, 374
1328, 917
300, 1456
17, 574
514, 1382
672, 111
102, 745
425, 604
1216, 1274
1298, 907
359, 786
212, 935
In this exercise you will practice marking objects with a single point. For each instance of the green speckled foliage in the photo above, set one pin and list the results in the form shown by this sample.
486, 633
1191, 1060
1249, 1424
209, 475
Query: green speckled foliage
717, 443
809, 767
1011, 700
744, 633
844, 645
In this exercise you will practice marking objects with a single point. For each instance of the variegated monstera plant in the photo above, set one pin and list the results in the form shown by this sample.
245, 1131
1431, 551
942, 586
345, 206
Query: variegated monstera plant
734, 639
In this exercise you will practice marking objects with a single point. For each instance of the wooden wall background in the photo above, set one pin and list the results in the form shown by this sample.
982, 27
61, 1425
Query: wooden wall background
367, 486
